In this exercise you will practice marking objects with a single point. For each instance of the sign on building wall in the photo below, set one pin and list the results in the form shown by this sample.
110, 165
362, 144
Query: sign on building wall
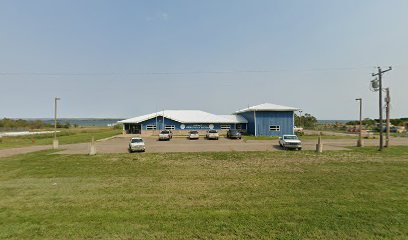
198, 126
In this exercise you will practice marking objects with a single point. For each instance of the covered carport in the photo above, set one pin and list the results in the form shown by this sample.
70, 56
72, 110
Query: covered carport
132, 128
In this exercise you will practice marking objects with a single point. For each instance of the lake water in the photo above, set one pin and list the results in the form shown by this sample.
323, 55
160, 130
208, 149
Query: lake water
82, 121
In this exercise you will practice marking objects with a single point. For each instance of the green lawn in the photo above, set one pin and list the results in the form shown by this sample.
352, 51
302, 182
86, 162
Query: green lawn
75, 135
358, 194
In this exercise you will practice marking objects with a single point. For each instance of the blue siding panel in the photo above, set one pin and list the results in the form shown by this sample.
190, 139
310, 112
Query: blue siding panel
249, 116
159, 123
265, 119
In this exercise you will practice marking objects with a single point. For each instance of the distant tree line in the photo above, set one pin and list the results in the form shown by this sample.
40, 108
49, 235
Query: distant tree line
305, 121
7, 123
373, 122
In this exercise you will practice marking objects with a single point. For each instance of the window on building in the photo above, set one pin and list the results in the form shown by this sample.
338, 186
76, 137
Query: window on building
170, 127
151, 127
274, 128
239, 127
225, 126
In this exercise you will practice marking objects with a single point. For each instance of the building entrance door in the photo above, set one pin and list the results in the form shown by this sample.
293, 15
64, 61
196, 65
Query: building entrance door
134, 129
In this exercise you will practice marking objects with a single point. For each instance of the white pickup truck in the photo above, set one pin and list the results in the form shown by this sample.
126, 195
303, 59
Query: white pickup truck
290, 142
136, 144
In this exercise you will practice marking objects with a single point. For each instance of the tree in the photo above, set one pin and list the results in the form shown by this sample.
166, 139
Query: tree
306, 121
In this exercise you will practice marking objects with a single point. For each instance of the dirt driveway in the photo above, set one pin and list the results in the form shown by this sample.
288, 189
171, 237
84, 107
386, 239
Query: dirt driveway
178, 144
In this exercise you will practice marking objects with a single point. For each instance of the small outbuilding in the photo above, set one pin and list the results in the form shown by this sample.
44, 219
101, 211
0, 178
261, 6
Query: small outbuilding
261, 120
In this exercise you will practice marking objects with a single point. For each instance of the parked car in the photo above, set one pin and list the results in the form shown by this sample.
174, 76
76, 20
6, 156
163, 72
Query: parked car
397, 129
212, 134
232, 133
165, 135
298, 130
193, 135
290, 142
136, 145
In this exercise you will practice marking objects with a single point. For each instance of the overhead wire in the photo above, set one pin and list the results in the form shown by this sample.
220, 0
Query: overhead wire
179, 73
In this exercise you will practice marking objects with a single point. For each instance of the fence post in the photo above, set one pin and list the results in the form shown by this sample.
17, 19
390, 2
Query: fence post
319, 145
92, 149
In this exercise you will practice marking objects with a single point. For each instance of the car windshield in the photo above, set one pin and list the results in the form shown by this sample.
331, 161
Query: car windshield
233, 131
212, 131
137, 140
193, 132
290, 137
165, 132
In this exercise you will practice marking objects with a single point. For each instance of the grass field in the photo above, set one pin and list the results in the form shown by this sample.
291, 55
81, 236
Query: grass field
358, 194
74, 135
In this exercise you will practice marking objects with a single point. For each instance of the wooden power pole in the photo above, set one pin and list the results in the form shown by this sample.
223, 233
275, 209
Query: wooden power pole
387, 113
379, 74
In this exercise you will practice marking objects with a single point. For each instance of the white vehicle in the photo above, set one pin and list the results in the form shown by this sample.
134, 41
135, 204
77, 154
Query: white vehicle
136, 145
193, 135
298, 130
290, 142
212, 134
165, 135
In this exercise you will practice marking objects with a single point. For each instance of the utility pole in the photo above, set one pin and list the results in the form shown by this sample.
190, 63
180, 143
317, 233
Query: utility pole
379, 74
387, 115
55, 141
360, 136
300, 118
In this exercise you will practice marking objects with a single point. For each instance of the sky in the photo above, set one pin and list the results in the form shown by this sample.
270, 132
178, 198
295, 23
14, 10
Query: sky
124, 58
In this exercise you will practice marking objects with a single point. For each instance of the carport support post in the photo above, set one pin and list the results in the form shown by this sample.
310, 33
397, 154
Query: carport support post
92, 149
163, 120
319, 145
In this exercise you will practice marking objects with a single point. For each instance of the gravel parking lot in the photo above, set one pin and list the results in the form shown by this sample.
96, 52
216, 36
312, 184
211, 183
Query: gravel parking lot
179, 144
119, 144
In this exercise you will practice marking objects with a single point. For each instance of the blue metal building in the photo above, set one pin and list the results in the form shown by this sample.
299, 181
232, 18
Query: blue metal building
269, 119
261, 120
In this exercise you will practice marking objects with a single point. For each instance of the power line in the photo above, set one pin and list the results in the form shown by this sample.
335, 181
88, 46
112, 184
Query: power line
181, 73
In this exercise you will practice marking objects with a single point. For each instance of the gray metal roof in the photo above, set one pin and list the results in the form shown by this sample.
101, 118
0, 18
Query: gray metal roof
188, 116
268, 107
